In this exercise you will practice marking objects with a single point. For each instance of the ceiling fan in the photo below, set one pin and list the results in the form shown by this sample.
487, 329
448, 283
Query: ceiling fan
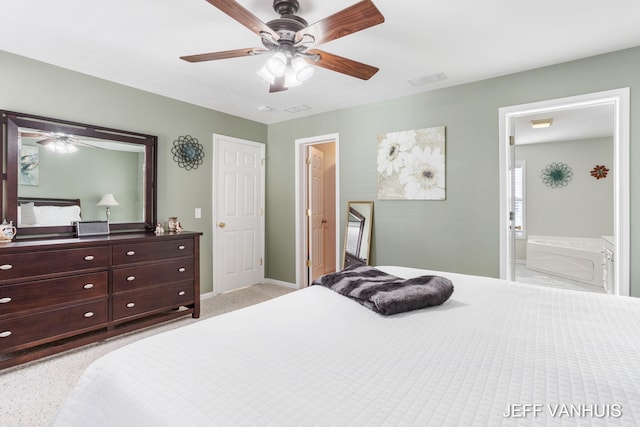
58, 142
292, 40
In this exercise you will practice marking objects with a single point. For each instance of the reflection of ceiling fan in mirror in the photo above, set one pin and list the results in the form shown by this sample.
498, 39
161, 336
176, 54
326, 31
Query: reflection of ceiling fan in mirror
291, 40
58, 142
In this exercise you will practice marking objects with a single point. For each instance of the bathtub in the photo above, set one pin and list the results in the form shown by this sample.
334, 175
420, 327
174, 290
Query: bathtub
575, 258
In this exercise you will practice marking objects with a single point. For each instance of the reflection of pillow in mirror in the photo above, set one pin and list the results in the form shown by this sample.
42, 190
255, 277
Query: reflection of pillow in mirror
27, 214
57, 215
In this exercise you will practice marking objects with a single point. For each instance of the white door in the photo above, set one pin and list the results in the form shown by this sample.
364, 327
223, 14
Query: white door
315, 212
238, 213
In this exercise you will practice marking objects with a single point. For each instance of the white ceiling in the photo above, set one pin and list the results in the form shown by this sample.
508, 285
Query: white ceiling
573, 124
138, 43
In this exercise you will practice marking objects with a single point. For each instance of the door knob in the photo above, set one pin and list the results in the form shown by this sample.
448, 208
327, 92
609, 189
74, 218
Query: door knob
221, 224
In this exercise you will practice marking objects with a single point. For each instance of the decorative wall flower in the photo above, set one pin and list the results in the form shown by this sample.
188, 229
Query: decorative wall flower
392, 150
187, 152
599, 171
556, 175
423, 174
411, 164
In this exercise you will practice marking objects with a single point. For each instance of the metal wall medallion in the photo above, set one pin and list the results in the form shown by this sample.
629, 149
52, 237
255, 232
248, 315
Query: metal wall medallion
556, 175
187, 152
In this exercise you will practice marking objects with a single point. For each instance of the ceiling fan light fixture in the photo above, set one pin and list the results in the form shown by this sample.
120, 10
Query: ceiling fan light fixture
277, 64
62, 146
303, 71
266, 75
290, 78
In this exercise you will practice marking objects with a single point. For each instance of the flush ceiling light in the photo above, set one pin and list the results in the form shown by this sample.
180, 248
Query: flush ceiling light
542, 123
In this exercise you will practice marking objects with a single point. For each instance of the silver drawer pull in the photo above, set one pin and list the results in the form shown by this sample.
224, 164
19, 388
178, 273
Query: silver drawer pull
182, 269
89, 258
181, 247
131, 253
5, 334
88, 314
131, 278
130, 305
5, 300
88, 286
181, 293
6, 267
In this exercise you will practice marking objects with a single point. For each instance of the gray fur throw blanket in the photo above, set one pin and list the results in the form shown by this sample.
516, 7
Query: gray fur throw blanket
387, 294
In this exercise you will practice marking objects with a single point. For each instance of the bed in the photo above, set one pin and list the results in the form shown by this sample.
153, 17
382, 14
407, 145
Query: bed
495, 353
47, 212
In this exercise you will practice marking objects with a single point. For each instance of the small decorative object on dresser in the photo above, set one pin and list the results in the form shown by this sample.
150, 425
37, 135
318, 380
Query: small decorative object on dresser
159, 229
7, 231
63, 293
171, 224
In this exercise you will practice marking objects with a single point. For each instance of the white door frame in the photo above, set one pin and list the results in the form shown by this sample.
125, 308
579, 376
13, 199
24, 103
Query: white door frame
619, 99
300, 200
215, 262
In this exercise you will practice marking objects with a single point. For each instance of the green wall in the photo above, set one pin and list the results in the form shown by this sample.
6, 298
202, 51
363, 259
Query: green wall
460, 234
110, 171
33, 87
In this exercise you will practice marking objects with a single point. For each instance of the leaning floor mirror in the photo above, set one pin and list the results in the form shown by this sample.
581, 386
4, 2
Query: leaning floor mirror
357, 236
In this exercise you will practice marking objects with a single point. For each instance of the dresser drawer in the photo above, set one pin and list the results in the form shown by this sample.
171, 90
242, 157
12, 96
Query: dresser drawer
128, 253
24, 265
131, 278
51, 325
135, 303
44, 293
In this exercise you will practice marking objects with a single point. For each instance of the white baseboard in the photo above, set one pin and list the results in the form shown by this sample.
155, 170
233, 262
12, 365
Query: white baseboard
281, 283
270, 281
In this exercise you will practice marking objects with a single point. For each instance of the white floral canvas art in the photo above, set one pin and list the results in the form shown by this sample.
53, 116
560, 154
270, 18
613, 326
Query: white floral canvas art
411, 164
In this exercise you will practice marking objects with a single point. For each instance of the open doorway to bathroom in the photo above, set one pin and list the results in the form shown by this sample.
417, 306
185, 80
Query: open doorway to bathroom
565, 191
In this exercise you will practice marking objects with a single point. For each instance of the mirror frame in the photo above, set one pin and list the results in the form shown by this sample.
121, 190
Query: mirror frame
12, 121
368, 227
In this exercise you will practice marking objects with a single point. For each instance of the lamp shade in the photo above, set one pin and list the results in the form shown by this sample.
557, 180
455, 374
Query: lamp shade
108, 200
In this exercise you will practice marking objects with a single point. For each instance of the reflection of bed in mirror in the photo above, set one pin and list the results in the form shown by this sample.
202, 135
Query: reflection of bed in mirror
48, 212
357, 241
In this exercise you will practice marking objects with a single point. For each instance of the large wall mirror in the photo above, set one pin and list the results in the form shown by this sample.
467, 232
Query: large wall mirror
357, 238
58, 172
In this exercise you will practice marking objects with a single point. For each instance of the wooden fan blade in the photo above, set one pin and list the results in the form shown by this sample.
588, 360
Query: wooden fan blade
342, 65
243, 16
278, 85
223, 55
355, 18
47, 140
32, 134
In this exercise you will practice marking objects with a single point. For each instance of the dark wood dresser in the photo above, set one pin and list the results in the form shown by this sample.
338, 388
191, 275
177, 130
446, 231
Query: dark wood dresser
64, 293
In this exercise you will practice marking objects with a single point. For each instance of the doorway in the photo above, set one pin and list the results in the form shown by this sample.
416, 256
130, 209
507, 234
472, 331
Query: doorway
317, 207
618, 101
238, 213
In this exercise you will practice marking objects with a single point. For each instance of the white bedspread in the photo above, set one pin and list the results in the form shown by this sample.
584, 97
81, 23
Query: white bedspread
313, 357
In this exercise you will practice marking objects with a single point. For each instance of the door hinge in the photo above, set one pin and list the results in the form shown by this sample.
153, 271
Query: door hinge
260, 261
263, 161
308, 161
512, 140
308, 263
308, 212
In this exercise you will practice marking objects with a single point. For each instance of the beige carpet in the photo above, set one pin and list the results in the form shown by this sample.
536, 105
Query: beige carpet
31, 394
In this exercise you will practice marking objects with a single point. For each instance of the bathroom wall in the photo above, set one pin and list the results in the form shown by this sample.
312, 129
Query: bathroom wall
582, 208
